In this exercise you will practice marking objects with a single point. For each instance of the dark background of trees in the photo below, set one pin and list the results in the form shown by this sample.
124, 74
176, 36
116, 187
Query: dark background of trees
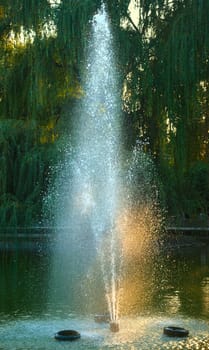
164, 65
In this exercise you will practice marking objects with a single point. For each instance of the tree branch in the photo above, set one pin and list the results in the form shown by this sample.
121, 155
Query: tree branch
132, 23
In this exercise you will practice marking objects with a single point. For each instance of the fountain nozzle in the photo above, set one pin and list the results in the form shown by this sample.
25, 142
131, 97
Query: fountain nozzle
114, 327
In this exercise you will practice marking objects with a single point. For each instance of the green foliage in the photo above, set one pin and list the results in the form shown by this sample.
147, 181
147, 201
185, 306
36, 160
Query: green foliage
164, 66
22, 176
168, 86
198, 185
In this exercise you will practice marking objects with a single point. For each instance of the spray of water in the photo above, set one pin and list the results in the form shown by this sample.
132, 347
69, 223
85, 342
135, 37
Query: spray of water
86, 192
104, 200
101, 151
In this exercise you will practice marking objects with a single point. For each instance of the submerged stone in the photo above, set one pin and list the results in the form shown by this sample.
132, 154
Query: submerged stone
67, 334
114, 327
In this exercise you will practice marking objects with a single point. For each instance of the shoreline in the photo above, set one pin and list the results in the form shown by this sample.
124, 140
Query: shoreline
42, 238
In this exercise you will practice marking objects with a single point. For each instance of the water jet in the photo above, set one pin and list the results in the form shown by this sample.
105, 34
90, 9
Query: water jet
102, 195
88, 193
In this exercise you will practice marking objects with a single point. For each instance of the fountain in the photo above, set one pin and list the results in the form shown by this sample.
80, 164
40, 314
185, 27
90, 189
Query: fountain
89, 184
104, 256
97, 196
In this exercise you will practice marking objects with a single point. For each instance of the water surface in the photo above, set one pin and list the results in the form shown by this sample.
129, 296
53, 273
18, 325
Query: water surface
174, 291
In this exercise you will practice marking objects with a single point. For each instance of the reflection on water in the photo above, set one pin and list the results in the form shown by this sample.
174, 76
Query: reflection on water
176, 283
172, 289
23, 281
182, 283
205, 297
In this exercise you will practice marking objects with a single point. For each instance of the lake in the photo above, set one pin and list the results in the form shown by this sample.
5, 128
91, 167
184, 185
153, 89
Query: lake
173, 291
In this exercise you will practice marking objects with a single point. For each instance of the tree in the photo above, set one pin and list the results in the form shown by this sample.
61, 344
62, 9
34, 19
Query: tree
163, 61
42, 44
170, 85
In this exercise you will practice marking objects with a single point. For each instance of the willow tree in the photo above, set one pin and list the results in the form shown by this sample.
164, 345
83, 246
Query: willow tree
163, 60
41, 52
183, 66
167, 95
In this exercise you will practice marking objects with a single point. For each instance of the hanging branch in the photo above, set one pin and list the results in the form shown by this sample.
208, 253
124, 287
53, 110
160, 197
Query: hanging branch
132, 23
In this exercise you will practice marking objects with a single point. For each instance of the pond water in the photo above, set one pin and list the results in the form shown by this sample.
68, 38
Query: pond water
176, 294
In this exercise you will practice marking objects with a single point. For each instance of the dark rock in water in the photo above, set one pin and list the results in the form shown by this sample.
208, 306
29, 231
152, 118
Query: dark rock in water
173, 331
114, 327
67, 335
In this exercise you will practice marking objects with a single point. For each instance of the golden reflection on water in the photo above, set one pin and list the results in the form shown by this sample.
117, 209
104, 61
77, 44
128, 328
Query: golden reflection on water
134, 242
205, 290
134, 295
137, 229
